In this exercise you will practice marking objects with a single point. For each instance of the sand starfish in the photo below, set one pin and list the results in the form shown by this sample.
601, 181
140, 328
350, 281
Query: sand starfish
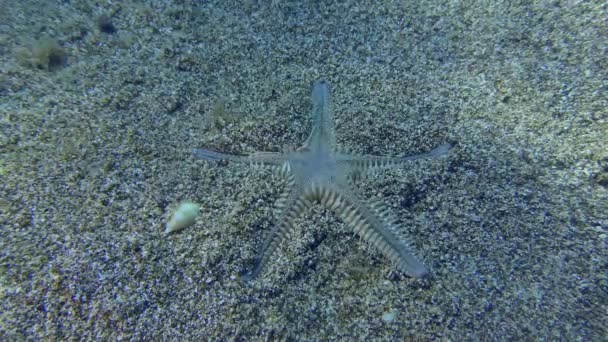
318, 172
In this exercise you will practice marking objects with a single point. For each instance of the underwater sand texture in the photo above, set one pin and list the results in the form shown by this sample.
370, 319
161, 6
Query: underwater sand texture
102, 102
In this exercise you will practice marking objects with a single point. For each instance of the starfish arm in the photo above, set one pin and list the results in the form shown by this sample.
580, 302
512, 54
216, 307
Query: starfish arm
322, 135
372, 222
258, 158
370, 162
211, 155
289, 207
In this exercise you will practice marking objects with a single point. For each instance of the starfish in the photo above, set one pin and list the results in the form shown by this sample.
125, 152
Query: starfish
319, 172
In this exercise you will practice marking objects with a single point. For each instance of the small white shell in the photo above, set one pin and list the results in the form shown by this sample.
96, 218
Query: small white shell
184, 216
389, 316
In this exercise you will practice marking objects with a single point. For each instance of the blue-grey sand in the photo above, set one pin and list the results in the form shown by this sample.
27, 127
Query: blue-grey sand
103, 102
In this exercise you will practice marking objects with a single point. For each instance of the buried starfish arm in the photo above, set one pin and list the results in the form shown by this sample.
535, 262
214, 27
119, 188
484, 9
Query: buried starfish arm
207, 154
262, 158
